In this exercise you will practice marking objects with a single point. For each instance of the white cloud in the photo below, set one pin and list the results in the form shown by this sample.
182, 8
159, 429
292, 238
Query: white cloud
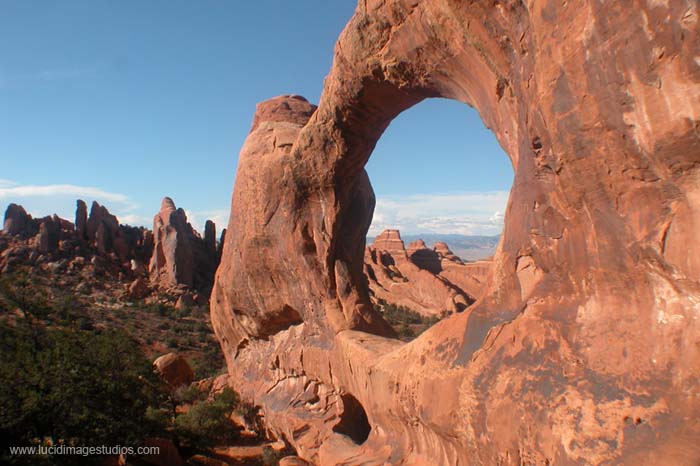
135, 220
199, 217
8, 190
41, 200
467, 213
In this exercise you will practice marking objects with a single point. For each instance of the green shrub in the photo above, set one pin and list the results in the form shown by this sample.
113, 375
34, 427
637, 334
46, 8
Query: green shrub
188, 394
74, 386
210, 363
207, 423
407, 323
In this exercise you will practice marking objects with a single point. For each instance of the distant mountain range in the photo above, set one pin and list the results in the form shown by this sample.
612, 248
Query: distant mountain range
465, 246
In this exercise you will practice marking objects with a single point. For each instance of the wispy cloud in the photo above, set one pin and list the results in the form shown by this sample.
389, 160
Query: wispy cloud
48, 199
40, 200
467, 213
9, 189
199, 217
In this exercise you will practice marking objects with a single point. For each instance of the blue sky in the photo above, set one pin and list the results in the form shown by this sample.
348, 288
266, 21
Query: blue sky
126, 102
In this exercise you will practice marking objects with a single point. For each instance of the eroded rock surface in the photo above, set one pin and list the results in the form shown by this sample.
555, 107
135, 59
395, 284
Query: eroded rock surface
412, 278
584, 347
174, 370
180, 255
18, 222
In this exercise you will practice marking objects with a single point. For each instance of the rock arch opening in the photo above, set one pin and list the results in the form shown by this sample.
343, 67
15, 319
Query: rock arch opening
353, 421
441, 183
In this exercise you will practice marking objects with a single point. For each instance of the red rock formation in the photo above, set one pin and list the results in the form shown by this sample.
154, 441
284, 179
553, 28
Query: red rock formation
81, 217
180, 255
174, 369
412, 281
18, 222
584, 347
444, 252
471, 277
49, 234
102, 228
210, 236
391, 242
424, 258
172, 262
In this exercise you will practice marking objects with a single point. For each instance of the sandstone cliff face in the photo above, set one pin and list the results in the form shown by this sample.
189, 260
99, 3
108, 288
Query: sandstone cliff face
583, 349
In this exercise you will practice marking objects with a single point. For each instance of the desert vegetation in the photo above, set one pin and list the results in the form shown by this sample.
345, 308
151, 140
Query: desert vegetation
407, 323
78, 371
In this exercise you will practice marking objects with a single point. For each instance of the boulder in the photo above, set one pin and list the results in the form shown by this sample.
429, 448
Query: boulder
174, 369
138, 289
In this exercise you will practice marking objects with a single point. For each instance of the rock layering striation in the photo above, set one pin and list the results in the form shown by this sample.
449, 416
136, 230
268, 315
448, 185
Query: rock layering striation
584, 347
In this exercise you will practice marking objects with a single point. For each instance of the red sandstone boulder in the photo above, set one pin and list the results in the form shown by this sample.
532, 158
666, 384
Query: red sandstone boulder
174, 369
138, 289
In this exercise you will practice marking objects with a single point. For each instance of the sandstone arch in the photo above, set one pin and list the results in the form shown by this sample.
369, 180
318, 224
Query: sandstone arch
585, 348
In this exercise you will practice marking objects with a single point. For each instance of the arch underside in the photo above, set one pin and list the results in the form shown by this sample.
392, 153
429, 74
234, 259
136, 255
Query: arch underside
584, 347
